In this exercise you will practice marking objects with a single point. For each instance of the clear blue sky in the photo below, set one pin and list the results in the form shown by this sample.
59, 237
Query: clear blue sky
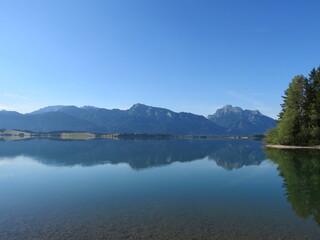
185, 55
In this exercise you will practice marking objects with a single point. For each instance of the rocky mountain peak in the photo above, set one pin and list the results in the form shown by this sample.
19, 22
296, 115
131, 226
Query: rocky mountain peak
256, 112
230, 108
54, 108
242, 122
138, 106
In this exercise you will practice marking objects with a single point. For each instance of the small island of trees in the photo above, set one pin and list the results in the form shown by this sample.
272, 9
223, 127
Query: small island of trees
299, 120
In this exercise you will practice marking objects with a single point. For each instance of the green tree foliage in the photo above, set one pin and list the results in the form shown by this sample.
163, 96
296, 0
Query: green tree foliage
299, 120
314, 105
300, 170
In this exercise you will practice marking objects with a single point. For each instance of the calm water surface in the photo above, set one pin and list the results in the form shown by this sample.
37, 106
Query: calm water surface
166, 189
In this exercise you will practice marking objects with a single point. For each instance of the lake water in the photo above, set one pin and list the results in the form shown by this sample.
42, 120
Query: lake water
164, 189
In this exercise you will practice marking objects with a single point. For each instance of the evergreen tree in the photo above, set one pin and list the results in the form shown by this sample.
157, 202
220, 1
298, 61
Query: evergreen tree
299, 120
291, 124
314, 105
291, 128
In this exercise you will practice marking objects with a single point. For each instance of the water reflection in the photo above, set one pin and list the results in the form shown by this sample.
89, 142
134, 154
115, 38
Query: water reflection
300, 170
193, 199
229, 154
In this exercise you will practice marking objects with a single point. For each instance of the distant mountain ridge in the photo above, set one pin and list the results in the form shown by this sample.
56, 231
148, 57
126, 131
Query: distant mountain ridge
139, 118
242, 122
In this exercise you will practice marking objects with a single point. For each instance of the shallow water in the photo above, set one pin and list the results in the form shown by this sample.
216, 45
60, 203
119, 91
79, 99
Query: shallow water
165, 189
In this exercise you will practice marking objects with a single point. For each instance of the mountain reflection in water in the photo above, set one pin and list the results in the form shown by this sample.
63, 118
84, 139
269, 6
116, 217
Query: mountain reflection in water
188, 189
139, 154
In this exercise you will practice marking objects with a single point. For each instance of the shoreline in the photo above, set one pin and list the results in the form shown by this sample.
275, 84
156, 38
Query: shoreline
11, 135
292, 147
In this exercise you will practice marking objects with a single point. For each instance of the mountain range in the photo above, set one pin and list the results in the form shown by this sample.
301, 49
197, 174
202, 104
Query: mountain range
138, 119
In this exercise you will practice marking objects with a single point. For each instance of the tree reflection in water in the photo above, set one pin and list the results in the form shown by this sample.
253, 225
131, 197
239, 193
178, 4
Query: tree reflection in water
300, 170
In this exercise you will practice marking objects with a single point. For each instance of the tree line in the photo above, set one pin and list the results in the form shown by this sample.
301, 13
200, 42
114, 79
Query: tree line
299, 119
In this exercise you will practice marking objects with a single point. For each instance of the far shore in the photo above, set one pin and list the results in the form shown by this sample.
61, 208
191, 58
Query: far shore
11, 135
292, 147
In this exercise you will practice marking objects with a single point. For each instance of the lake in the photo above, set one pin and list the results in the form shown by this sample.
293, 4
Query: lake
157, 189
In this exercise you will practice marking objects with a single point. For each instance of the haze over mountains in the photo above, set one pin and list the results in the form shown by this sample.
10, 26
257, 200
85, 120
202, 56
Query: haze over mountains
138, 119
